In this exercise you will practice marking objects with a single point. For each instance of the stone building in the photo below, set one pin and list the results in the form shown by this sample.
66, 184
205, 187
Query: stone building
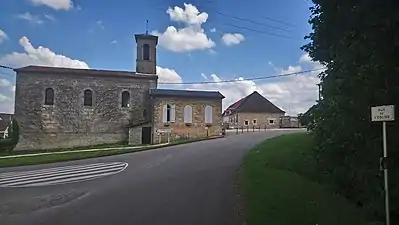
65, 108
187, 114
251, 111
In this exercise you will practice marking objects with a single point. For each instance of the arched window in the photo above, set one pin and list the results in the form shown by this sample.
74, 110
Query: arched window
125, 99
146, 52
188, 114
49, 96
88, 98
208, 114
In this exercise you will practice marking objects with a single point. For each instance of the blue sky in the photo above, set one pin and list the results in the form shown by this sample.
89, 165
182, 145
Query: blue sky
204, 37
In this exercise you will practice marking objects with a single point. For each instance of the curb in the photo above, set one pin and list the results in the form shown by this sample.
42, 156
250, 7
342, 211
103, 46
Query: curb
139, 148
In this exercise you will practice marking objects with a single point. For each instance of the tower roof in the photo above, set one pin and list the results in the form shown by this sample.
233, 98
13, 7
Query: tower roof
146, 36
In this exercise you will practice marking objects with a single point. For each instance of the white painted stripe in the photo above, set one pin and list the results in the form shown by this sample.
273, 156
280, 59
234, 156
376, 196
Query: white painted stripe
66, 181
56, 169
60, 178
56, 174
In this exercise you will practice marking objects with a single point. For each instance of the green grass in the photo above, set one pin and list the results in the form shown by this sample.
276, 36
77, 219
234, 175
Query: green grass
52, 158
113, 145
280, 187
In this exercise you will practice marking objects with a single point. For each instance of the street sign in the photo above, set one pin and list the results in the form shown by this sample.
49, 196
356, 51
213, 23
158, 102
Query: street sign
383, 113
164, 131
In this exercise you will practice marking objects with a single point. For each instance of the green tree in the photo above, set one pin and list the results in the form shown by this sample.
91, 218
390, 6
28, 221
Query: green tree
358, 42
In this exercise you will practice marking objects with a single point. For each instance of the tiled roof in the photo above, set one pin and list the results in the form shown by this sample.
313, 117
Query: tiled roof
88, 72
186, 93
254, 103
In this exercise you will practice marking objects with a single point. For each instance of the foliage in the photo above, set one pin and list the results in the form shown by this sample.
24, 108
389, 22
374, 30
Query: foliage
358, 42
280, 178
307, 118
8, 144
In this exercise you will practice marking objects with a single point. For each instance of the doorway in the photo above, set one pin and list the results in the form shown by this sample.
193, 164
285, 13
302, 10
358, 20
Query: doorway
146, 135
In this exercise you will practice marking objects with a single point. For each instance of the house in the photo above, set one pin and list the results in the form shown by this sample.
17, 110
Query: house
65, 108
5, 120
253, 110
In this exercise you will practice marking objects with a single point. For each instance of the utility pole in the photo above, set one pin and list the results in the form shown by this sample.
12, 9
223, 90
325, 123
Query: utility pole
319, 85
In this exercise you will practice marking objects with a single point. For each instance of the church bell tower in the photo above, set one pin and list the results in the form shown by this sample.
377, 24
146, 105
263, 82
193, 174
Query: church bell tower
146, 59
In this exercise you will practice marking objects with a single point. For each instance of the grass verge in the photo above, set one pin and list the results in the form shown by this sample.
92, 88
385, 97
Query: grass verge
52, 158
280, 188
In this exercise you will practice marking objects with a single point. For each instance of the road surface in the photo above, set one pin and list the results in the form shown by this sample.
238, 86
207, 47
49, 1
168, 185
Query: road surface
189, 184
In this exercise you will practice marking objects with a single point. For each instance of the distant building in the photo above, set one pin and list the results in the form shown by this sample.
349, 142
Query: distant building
253, 111
65, 108
289, 122
5, 120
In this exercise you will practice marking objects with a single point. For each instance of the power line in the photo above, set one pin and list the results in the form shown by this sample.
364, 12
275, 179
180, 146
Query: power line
251, 21
6, 67
264, 17
258, 31
247, 29
248, 79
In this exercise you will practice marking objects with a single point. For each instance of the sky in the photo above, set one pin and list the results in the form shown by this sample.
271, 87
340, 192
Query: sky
199, 40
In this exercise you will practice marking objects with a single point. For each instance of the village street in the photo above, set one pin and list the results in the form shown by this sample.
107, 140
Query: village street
185, 184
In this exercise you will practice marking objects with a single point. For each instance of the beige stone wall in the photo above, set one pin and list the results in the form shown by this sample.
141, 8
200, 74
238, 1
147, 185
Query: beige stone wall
180, 130
262, 119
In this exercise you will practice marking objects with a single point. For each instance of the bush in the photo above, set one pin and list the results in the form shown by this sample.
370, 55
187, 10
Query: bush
8, 144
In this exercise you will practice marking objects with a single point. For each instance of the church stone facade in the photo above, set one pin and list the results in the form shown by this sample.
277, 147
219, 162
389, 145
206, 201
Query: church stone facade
66, 108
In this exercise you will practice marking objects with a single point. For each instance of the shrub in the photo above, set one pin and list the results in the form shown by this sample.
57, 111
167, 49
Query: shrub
8, 144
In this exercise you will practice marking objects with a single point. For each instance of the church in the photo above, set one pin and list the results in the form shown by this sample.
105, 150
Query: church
66, 108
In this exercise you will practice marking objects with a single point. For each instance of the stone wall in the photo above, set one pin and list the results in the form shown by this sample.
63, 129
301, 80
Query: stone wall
68, 123
180, 130
262, 120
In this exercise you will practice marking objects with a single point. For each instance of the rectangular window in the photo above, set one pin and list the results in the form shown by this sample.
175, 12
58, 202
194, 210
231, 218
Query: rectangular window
271, 121
246, 122
254, 122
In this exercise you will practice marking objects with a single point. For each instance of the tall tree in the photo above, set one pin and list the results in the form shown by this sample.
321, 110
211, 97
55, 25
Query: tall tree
358, 42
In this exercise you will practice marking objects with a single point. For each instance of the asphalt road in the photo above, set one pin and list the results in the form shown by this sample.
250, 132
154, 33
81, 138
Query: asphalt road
186, 184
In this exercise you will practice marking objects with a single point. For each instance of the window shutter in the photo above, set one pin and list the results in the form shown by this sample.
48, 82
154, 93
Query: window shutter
188, 114
208, 114
164, 114
173, 113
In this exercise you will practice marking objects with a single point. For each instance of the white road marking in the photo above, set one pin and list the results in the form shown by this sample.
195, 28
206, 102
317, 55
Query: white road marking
60, 175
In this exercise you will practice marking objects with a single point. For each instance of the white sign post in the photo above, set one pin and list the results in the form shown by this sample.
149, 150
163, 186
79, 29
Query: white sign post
383, 114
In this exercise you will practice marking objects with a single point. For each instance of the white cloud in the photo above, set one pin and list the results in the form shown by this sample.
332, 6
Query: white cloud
189, 15
305, 58
213, 30
291, 69
55, 4
3, 36
5, 83
49, 17
166, 75
39, 56
31, 18
7, 90
294, 94
100, 24
189, 38
232, 39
